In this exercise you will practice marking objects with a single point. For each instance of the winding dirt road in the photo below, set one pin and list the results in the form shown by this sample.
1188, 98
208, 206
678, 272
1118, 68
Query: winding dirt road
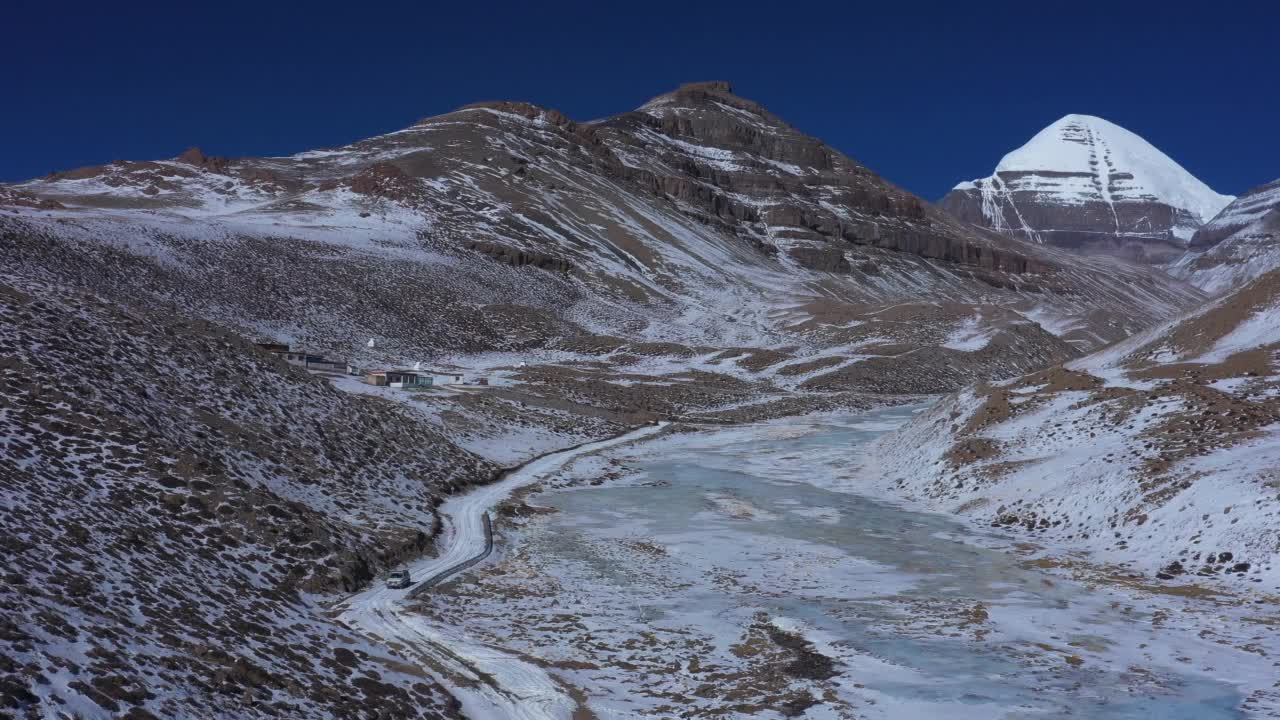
489, 682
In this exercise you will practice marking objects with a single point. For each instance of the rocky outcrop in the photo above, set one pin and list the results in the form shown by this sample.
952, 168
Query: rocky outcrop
730, 161
196, 157
1138, 231
1252, 207
519, 258
386, 180
822, 259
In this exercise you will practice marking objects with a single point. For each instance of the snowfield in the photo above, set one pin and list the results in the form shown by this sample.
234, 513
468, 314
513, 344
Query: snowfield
1071, 145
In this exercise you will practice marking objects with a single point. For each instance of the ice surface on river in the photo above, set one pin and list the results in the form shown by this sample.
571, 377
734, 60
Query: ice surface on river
655, 595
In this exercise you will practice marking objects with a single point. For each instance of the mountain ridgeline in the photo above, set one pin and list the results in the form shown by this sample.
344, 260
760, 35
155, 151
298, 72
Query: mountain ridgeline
699, 219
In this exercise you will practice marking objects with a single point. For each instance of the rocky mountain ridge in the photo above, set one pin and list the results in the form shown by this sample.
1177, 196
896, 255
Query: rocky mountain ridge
179, 506
1239, 244
698, 219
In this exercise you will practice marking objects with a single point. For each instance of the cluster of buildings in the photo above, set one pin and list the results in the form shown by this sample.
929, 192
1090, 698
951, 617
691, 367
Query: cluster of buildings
416, 379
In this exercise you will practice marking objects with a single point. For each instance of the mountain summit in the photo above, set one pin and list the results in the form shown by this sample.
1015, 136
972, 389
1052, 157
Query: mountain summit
1089, 184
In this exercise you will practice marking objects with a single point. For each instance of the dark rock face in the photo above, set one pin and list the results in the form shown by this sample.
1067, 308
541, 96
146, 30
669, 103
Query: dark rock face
195, 156
1137, 231
824, 259
385, 180
740, 166
520, 258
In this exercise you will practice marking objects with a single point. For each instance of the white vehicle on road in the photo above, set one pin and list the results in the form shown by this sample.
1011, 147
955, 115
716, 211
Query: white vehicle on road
399, 579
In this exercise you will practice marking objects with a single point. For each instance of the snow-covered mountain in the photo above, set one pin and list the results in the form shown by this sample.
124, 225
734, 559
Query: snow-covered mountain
1089, 184
695, 256
699, 219
179, 508
1241, 243
1159, 453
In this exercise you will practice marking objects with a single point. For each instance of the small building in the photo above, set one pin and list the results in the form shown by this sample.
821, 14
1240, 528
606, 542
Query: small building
300, 358
316, 362
400, 379
413, 382
444, 378
380, 378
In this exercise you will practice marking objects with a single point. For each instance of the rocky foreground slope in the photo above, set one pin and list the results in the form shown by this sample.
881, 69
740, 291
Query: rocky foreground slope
173, 502
1160, 453
1241, 243
1090, 185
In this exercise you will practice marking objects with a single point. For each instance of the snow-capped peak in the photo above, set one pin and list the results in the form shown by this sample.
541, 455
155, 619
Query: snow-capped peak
1126, 165
1092, 186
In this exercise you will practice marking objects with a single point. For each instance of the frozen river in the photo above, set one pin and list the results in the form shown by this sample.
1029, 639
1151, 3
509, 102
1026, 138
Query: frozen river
680, 588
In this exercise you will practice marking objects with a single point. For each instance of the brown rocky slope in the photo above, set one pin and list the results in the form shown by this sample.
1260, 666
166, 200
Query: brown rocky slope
175, 502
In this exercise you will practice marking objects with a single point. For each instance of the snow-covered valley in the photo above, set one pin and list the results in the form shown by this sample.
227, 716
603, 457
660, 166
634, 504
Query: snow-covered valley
757, 432
754, 572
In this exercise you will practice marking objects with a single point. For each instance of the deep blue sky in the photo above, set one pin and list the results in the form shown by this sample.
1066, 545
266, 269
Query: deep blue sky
924, 94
